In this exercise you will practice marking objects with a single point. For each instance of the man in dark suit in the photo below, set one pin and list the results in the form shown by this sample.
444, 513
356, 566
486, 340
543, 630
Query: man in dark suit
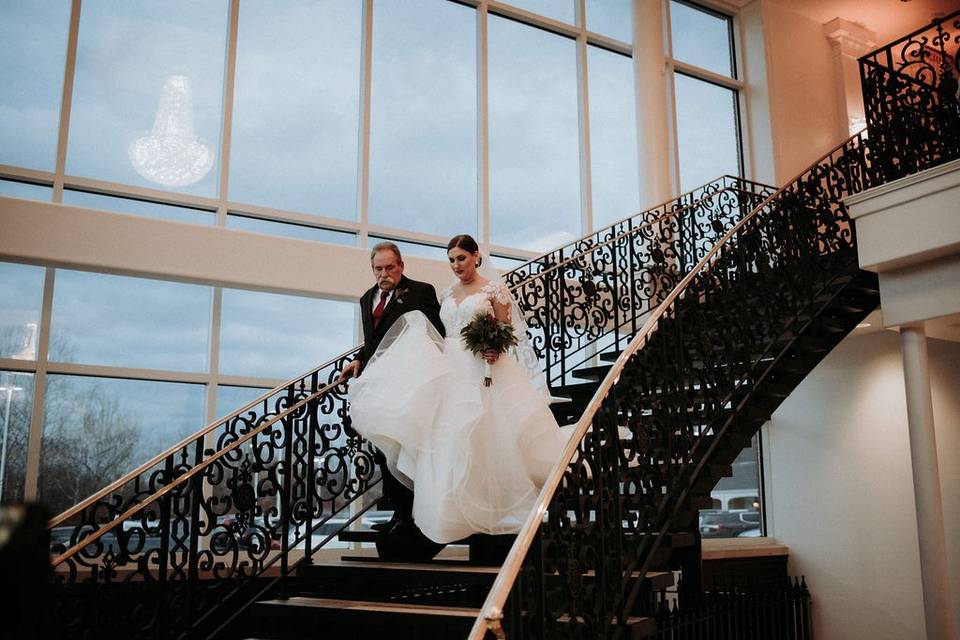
393, 295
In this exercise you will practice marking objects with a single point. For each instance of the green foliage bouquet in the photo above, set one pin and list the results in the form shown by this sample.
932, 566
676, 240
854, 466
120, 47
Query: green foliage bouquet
486, 333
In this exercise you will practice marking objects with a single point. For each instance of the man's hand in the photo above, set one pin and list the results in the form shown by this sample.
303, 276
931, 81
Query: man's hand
491, 355
350, 371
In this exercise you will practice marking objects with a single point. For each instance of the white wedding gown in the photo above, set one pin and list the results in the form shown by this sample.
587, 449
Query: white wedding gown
474, 456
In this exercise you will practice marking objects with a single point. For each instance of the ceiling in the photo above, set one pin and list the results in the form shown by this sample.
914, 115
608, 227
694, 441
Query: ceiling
889, 19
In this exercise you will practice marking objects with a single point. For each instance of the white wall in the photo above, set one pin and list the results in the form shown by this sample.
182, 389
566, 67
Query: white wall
840, 488
804, 105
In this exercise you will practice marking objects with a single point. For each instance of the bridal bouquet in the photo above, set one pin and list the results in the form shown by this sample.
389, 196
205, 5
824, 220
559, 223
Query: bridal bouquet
486, 333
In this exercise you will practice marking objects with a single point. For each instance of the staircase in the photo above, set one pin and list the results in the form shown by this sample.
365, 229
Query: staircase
671, 337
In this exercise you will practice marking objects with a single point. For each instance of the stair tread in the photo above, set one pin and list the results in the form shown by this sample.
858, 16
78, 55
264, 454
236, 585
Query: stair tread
374, 606
437, 567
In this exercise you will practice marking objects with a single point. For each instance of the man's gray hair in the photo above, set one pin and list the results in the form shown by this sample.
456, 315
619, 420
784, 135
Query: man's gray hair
386, 246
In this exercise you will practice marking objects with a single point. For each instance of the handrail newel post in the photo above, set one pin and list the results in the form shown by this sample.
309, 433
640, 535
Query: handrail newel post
286, 500
163, 559
313, 499
196, 499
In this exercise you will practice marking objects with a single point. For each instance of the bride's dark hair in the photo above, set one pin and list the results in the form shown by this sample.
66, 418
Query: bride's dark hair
467, 243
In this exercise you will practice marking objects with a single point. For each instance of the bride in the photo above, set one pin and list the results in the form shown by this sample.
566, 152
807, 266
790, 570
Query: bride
475, 456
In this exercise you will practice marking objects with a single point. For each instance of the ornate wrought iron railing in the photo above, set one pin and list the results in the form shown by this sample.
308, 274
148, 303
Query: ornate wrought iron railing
591, 295
910, 94
199, 524
683, 385
768, 611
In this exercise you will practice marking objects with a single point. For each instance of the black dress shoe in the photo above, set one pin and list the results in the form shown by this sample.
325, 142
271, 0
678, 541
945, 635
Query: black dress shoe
383, 527
406, 543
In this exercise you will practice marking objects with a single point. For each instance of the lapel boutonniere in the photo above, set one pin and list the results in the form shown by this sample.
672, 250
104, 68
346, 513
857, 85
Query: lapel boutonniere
398, 296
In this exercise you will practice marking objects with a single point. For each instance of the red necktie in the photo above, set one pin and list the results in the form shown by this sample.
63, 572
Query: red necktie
378, 312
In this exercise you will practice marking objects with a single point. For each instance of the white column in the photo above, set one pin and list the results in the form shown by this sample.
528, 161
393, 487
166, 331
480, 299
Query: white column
849, 41
653, 120
937, 601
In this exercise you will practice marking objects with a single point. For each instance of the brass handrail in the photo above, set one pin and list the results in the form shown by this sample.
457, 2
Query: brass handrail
116, 484
491, 612
90, 539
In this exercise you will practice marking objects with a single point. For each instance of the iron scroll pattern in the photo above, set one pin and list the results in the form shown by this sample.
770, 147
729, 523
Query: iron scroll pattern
257, 502
592, 295
210, 538
632, 479
686, 390
911, 95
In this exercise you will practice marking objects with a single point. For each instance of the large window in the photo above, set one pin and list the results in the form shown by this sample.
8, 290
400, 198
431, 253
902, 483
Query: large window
21, 288
270, 335
534, 147
736, 511
130, 322
128, 367
148, 94
423, 136
613, 137
33, 45
706, 94
16, 405
97, 429
295, 115
345, 122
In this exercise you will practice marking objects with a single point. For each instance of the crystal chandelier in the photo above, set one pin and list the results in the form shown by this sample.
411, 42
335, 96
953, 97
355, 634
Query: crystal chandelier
170, 154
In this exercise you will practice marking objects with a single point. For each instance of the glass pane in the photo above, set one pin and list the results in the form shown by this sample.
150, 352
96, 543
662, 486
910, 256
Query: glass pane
229, 399
97, 429
16, 409
701, 37
33, 47
289, 230
504, 264
25, 190
563, 10
21, 294
296, 107
736, 500
138, 207
613, 137
707, 132
130, 322
613, 18
534, 147
270, 335
148, 94
414, 248
423, 143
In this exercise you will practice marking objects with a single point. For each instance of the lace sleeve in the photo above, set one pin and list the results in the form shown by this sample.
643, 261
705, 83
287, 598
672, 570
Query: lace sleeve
498, 292
446, 293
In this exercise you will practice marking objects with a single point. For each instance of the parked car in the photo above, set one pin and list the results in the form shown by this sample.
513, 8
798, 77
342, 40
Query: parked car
728, 524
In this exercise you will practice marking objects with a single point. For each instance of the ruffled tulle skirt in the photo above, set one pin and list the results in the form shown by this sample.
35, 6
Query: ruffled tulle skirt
474, 456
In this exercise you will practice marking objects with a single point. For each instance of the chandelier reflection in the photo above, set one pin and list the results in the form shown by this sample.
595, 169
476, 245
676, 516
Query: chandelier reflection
170, 154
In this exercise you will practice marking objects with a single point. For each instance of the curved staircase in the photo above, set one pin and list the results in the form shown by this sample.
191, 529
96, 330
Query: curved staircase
671, 337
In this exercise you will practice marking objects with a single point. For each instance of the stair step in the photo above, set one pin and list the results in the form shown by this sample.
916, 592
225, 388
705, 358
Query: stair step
364, 607
596, 374
309, 617
447, 583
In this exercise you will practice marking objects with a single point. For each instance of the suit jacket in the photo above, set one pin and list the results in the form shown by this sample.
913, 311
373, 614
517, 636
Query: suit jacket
408, 295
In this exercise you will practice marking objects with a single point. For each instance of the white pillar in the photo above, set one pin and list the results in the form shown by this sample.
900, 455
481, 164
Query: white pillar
937, 601
848, 41
653, 120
